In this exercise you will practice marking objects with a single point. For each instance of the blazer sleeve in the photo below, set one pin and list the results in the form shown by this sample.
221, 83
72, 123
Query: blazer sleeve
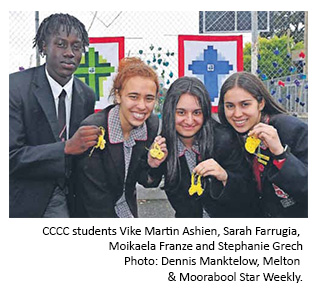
229, 155
30, 161
150, 177
293, 175
236, 198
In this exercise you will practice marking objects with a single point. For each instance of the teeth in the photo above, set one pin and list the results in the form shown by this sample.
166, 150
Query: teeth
138, 115
239, 122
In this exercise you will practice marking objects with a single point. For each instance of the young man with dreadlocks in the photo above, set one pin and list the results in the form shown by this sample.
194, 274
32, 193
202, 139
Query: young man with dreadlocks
46, 105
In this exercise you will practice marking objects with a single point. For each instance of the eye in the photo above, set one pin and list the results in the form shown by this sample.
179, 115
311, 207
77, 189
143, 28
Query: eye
150, 98
197, 112
245, 104
229, 106
61, 43
180, 112
77, 47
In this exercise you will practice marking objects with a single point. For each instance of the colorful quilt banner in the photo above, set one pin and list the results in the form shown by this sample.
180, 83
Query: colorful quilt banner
211, 59
98, 66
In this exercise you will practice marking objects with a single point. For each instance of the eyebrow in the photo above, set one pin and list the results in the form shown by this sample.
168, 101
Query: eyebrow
246, 100
179, 108
136, 93
58, 37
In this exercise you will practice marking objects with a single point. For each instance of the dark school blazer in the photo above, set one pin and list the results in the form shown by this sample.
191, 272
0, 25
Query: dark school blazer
36, 155
233, 200
292, 178
100, 178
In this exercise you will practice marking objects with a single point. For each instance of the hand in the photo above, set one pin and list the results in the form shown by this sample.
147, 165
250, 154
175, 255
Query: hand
269, 135
84, 138
154, 162
211, 167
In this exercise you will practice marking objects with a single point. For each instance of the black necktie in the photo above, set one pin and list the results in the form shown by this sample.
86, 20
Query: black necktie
62, 116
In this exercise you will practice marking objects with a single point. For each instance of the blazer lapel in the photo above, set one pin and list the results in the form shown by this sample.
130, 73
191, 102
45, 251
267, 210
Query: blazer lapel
117, 157
44, 96
114, 151
77, 108
137, 152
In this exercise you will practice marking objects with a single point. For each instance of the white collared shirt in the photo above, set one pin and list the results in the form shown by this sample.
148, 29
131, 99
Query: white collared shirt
56, 89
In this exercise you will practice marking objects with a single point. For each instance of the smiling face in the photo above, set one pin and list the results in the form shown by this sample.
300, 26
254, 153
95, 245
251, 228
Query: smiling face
63, 55
137, 100
242, 110
188, 118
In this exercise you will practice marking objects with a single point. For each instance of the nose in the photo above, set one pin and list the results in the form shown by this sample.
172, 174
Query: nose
141, 104
69, 52
189, 118
237, 111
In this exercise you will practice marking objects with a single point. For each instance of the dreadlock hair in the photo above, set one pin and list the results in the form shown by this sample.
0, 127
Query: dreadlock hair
252, 84
51, 26
204, 136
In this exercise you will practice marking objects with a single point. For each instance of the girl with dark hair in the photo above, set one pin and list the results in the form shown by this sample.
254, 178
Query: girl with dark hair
107, 176
198, 144
280, 158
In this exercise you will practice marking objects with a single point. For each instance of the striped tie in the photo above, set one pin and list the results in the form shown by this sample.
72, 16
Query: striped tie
62, 116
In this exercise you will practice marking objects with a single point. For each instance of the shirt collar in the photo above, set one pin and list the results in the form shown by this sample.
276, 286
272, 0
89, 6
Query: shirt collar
182, 148
56, 88
115, 132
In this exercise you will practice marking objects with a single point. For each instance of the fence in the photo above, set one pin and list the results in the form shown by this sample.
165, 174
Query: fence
275, 43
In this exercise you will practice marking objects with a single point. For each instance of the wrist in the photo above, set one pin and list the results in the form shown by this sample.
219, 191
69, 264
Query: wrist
278, 151
66, 148
225, 179
152, 164
282, 155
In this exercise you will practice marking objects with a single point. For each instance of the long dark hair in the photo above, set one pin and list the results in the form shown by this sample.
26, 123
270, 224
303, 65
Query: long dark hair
252, 84
51, 25
204, 136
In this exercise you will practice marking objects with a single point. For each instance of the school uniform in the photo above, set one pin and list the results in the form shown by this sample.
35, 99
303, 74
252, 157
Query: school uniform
40, 171
106, 180
231, 200
282, 183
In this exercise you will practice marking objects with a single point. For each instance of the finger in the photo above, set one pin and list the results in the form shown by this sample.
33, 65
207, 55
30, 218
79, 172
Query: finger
267, 134
161, 141
256, 133
264, 128
208, 173
90, 138
90, 144
200, 170
198, 167
260, 125
89, 127
89, 132
157, 138
163, 147
150, 157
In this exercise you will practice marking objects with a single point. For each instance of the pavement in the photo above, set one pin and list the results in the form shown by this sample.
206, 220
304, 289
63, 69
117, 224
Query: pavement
153, 203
